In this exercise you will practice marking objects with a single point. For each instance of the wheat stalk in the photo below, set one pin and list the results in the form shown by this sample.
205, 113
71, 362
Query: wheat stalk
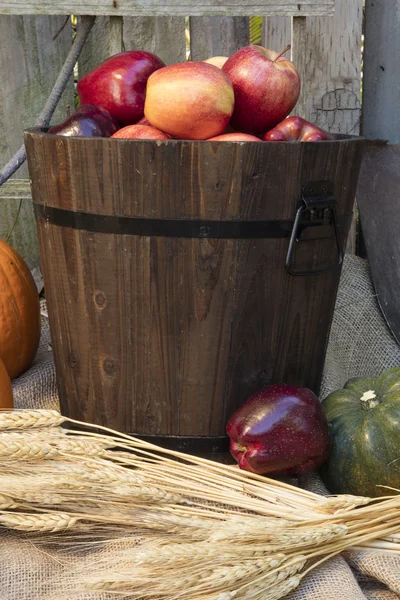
46, 434
344, 502
125, 483
275, 592
83, 447
7, 502
46, 522
175, 554
225, 578
16, 449
237, 579
309, 537
30, 418
200, 529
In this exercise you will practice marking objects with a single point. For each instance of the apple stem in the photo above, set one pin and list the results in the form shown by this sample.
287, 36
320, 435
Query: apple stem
289, 47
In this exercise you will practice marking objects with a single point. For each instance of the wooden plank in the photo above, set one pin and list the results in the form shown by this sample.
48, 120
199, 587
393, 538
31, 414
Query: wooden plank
15, 189
116, 35
299, 56
277, 33
99, 46
30, 61
217, 36
327, 54
328, 57
163, 36
145, 8
381, 80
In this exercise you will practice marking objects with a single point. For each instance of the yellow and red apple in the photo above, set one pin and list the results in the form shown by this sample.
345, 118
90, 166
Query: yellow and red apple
217, 61
140, 132
189, 100
235, 137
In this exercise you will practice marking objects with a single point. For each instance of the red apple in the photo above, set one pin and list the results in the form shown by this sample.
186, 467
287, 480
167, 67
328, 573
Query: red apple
235, 137
266, 85
280, 430
217, 61
140, 132
230, 129
119, 84
87, 120
296, 128
143, 121
190, 100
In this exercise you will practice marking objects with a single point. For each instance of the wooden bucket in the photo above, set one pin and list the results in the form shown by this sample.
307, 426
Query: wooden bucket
170, 292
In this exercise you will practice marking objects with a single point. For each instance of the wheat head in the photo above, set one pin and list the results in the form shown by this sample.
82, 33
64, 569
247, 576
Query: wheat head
42, 522
26, 419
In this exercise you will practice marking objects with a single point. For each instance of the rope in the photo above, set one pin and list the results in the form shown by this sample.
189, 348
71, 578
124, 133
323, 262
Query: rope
44, 118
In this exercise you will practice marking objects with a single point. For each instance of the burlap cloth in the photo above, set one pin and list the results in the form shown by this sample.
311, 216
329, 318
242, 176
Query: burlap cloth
360, 344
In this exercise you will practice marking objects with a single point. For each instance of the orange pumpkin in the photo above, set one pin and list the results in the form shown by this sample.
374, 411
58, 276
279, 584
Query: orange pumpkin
6, 397
19, 312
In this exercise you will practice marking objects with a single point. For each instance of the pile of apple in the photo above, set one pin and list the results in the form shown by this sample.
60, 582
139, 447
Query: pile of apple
246, 97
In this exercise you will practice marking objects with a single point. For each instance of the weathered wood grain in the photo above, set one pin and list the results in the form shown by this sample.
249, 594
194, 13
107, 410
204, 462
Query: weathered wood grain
381, 81
99, 46
217, 36
15, 189
144, 8
300, 57
168, 336
277, 33
29, 64
331, 69
116, 35
327, 54
163, 36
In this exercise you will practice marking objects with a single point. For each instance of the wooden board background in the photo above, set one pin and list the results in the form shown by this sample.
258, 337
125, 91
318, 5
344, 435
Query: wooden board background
147, 8
29, 64
327, 51
381, 110
328, 57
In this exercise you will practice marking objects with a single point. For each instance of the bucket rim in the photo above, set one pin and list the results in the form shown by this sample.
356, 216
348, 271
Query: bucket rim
43, 132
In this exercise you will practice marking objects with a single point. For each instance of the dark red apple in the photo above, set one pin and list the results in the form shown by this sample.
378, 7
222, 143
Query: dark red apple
140, 132
118, 84
234, 137
87, 120
266, 86
296, 128
280, 430
189, 100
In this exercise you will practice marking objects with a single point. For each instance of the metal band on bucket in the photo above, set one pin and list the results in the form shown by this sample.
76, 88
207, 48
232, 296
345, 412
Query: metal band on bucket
177, 228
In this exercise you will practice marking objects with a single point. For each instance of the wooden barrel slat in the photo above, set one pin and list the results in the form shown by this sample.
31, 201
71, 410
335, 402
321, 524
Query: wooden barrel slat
169, 335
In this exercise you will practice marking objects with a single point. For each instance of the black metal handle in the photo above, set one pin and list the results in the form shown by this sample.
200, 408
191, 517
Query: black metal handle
308, 204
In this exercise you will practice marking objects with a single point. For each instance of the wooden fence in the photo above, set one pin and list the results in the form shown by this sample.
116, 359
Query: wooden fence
326, 51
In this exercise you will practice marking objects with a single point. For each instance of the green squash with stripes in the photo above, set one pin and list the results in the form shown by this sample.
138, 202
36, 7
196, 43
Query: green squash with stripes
364, 419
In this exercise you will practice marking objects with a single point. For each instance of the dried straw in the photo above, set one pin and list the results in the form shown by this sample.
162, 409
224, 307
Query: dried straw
186, 526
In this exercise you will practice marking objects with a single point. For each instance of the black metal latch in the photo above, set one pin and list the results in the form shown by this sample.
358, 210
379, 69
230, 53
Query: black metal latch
315, 218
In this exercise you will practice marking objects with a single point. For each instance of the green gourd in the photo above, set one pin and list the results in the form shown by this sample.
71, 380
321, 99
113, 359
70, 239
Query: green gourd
364, 419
